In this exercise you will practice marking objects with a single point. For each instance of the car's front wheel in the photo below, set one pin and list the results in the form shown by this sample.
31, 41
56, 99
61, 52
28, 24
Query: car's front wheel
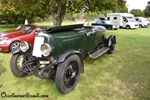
140, 26
127, 27
16, 63
68, 73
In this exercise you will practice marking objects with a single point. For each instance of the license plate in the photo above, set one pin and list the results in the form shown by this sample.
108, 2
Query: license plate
44, 62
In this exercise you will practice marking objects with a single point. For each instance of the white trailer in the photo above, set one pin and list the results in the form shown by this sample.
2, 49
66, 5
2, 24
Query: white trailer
125, 20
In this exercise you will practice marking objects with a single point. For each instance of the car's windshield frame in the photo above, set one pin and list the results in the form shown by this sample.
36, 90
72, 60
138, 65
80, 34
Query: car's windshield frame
28, 29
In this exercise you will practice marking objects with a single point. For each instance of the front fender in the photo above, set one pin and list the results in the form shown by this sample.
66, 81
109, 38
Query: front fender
68, 53
16, 50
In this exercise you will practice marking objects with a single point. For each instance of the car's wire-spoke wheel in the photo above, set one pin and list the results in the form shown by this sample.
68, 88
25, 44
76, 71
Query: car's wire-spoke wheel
16, 63
68, 73
14, 45
111, 45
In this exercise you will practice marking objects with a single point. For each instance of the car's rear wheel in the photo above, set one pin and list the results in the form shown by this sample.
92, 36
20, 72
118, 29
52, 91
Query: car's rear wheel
14, 45
16, 63
111, 45
68, 73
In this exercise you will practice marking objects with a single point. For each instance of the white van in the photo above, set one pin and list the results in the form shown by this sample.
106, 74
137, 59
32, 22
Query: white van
125, 20
143, 22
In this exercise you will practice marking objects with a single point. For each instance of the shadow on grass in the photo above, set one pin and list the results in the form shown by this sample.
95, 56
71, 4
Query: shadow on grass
2, 69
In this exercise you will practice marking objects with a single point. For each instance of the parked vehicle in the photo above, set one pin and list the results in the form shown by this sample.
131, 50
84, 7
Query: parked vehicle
106, 23
143, 22
125, 20
58, 53
9, 40
3, 21
17, 30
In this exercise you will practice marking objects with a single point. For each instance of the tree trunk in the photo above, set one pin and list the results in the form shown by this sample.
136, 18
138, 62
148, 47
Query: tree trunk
16, 21
58, 11
57, 20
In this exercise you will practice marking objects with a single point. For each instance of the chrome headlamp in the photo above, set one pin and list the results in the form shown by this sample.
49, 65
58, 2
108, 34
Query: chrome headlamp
24, 46
46, 49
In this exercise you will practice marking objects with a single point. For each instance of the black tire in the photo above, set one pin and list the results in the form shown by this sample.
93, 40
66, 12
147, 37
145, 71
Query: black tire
14, 45
140, 26
127, 27
15, 65
110, 28
111, 45
68, 73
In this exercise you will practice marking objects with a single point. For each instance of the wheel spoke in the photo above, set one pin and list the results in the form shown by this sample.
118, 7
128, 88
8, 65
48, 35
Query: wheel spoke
73, 74
67, 80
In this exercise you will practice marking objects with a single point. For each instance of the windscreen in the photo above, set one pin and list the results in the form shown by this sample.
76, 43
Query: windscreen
28, 29
131, 19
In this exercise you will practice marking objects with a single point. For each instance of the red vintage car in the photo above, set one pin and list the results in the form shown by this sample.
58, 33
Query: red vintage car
11, 39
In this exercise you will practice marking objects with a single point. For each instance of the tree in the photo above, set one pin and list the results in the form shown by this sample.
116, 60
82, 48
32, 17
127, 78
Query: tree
58, 8
122, 6
16, 10
147, 10
137, 12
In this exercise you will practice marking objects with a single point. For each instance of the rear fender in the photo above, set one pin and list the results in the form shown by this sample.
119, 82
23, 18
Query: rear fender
68, 53
109, 39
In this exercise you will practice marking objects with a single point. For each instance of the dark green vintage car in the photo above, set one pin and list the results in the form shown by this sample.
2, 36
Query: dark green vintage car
58, 53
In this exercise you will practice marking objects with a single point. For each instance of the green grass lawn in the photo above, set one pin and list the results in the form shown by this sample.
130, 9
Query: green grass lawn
124, 75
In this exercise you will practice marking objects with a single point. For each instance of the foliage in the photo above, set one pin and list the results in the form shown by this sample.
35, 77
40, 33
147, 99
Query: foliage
16, 10
103, 5
147, 10
28, 9
57, 9
60, 7
137, 12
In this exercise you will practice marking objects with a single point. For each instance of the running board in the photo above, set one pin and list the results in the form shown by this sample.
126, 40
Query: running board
99, 52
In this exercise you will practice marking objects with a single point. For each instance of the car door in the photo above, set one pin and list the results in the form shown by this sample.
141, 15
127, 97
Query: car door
89, 39
125, 21
92, 37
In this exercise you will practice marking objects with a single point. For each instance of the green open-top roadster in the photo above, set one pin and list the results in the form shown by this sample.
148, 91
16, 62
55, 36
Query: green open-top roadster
58, 53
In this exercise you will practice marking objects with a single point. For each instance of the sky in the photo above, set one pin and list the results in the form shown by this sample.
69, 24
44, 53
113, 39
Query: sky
136, 4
